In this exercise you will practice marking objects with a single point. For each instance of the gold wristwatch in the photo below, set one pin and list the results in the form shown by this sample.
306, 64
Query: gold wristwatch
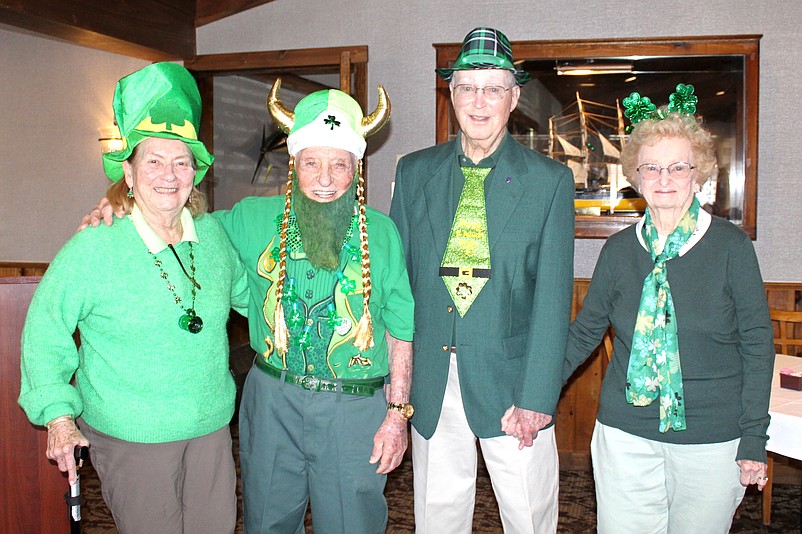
404, 408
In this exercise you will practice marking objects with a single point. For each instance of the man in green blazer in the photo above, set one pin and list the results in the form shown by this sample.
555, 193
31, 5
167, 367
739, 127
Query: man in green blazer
490, 332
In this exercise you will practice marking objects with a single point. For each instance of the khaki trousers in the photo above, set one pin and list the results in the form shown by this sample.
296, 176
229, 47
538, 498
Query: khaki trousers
525, 482
179, 487
649, 486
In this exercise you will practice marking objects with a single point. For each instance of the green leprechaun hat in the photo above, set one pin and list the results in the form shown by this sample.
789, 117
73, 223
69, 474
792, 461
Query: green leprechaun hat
485, 48
160, 100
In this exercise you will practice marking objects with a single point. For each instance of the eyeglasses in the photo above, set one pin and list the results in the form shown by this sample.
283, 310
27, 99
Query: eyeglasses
678, 171
491, 92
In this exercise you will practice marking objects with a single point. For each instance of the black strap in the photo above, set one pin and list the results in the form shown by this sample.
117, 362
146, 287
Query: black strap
196, 284
73, 501
468, 272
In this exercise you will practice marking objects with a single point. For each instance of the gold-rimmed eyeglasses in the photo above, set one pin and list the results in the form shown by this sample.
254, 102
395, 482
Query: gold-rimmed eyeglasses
677, 171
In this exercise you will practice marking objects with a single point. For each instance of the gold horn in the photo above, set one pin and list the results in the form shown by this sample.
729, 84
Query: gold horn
374, 122
284, 118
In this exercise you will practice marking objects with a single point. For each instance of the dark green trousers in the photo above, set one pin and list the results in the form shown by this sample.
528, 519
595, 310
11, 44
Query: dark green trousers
297, 447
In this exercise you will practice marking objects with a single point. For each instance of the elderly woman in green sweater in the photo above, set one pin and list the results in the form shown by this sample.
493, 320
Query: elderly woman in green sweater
150, 297
681, 427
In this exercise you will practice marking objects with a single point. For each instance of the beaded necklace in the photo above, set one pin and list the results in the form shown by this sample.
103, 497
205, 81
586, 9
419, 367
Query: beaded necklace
190, 321
295, 318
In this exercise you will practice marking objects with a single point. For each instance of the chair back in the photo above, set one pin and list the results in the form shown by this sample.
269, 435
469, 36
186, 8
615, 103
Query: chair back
788, 333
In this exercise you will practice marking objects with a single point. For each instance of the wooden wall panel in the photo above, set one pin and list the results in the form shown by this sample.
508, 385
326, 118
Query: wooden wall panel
22, 269
33, 500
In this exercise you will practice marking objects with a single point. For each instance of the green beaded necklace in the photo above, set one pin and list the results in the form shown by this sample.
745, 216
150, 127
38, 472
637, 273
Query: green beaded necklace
190, 321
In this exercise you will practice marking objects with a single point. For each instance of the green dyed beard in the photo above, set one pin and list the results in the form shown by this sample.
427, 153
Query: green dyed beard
323, 225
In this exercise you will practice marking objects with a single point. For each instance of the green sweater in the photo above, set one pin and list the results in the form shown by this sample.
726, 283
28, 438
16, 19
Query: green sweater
138, 376
252, 227
725, 338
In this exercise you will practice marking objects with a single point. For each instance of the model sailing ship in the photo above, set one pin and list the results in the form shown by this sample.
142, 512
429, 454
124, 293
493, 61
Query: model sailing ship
588, 137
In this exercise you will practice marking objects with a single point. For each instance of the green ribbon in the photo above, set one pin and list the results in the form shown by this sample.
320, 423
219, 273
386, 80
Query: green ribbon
468, 245
654, 366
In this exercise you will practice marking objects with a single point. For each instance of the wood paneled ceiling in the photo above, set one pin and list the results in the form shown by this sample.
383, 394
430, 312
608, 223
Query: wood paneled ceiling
154, 30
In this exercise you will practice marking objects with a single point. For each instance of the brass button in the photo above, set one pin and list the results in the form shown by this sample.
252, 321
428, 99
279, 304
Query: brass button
310, 368
446, 348
450, 309
310, 322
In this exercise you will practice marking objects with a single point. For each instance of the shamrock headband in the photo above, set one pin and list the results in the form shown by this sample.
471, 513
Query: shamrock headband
638, 108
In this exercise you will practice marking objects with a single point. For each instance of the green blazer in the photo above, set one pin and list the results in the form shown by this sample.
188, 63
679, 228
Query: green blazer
511, 343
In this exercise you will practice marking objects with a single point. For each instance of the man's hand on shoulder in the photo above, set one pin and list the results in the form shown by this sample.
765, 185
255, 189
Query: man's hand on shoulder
102, 212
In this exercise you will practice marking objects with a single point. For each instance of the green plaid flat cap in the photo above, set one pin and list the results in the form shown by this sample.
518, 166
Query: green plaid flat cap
485, 48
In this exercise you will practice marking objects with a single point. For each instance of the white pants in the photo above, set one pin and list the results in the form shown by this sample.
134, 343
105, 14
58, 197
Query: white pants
525, 481
645, 486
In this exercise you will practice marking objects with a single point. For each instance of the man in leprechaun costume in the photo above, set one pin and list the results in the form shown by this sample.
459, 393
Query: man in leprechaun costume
330, 320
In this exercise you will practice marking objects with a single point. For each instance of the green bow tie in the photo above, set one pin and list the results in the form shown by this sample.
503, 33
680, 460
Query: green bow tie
466, 262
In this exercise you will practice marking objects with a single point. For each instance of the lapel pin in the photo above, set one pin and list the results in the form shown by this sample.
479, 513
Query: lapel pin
508, 180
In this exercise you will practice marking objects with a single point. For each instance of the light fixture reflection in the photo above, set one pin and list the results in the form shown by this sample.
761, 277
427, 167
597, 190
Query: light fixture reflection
590, 69
110, 139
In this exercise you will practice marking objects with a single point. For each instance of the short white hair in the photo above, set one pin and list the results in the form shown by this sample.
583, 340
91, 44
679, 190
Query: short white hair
511, 81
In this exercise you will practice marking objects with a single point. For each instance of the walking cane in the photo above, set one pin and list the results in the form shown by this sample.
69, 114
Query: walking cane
73, 497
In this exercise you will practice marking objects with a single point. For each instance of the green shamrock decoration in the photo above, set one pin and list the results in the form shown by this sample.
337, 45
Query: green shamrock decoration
683, 100
637, 108
332, 121
167, 112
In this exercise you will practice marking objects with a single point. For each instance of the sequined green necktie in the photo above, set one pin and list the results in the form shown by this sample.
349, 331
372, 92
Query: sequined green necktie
468, 248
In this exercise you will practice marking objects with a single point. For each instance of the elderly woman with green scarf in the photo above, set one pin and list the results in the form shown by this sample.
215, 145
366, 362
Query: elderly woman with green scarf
152, 391
681, 427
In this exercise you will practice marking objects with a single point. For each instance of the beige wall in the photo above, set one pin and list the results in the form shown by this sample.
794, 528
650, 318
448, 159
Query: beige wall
399, 35
53, 98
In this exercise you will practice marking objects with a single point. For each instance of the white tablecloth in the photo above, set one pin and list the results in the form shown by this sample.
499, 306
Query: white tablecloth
785, 429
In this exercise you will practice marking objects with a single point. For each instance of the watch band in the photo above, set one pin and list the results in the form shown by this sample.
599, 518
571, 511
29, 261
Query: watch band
404, 408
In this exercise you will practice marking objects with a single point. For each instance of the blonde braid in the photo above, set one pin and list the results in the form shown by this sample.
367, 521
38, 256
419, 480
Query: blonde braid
363, 335
280, 332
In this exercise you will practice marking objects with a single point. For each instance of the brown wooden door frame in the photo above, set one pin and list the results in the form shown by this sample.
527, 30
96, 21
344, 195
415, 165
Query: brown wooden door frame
346, 60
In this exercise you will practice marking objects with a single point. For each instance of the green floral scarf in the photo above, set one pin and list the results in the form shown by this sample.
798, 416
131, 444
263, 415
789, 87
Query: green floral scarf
654, 367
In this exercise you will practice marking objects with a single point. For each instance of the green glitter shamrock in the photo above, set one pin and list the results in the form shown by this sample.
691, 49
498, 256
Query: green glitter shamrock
304, 342
352, 250
637, 108
346, 284
332, 319
683, 100
290, 292
295, 318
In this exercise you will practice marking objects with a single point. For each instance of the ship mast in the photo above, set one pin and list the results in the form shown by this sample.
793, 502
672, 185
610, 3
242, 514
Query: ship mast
583, 131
